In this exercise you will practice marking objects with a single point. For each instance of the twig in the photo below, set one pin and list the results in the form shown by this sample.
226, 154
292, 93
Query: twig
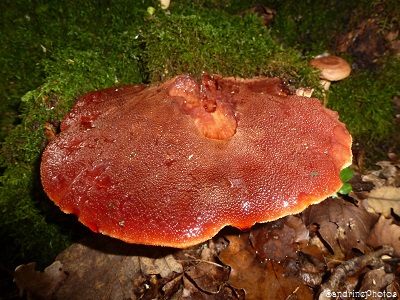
352, 266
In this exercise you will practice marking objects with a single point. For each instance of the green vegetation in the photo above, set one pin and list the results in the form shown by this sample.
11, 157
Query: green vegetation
228, 45
365, 104
345, 175
53, 51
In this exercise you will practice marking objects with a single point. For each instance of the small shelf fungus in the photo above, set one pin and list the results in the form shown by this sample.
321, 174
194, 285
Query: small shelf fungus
223, 151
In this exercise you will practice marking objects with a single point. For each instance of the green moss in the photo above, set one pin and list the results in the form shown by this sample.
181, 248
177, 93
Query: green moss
24, 230
227, 6
219, 43
364, 102
365, 105
33, 30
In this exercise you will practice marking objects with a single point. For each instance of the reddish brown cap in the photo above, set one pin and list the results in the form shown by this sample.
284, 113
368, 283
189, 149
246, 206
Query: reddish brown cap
332, 67
172, 165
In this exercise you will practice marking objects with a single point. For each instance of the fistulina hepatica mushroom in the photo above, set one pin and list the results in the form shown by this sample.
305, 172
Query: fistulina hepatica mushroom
173, 164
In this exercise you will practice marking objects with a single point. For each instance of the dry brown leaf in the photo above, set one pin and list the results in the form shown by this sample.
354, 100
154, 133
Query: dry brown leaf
207, 276
172, 289
280, 239
383, 200
168, 265
312, 265
376, 180
260, 280
206, 273
342, 225
36, 284
105, 268
376, 281
388, 175
98, 274
163, 266
385, 233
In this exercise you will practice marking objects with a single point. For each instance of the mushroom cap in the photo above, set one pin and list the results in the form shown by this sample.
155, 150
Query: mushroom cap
164, 4
172, 164
332, 67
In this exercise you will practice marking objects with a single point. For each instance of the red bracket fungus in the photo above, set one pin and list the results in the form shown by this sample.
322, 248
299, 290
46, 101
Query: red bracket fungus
173, 164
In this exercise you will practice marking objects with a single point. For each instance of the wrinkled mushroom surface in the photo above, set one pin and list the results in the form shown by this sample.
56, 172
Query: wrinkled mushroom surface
173, 164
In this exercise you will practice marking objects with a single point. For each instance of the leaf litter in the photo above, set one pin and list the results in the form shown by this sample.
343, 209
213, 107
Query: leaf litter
344, 245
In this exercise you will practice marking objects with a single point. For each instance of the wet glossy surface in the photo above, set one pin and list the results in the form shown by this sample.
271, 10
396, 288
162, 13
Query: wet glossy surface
171, 165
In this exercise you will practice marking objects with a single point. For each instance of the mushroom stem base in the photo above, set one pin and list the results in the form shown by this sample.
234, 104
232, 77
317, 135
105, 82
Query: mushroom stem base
326, 84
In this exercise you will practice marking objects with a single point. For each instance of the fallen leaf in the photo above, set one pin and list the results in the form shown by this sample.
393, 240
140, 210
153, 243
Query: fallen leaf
376, 281
280, 239
383, 200
312, 266
173, 288
163, 266
206, 273
207, 276
191, 292
388, 175
104, 268
390, 170
342, 225
259, 280
359, 185
376, 180
36, 284
385, 233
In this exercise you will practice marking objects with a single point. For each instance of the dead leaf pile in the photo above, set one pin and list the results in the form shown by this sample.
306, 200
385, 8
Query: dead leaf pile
266, 278
341, 245
388, 175
384, 199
